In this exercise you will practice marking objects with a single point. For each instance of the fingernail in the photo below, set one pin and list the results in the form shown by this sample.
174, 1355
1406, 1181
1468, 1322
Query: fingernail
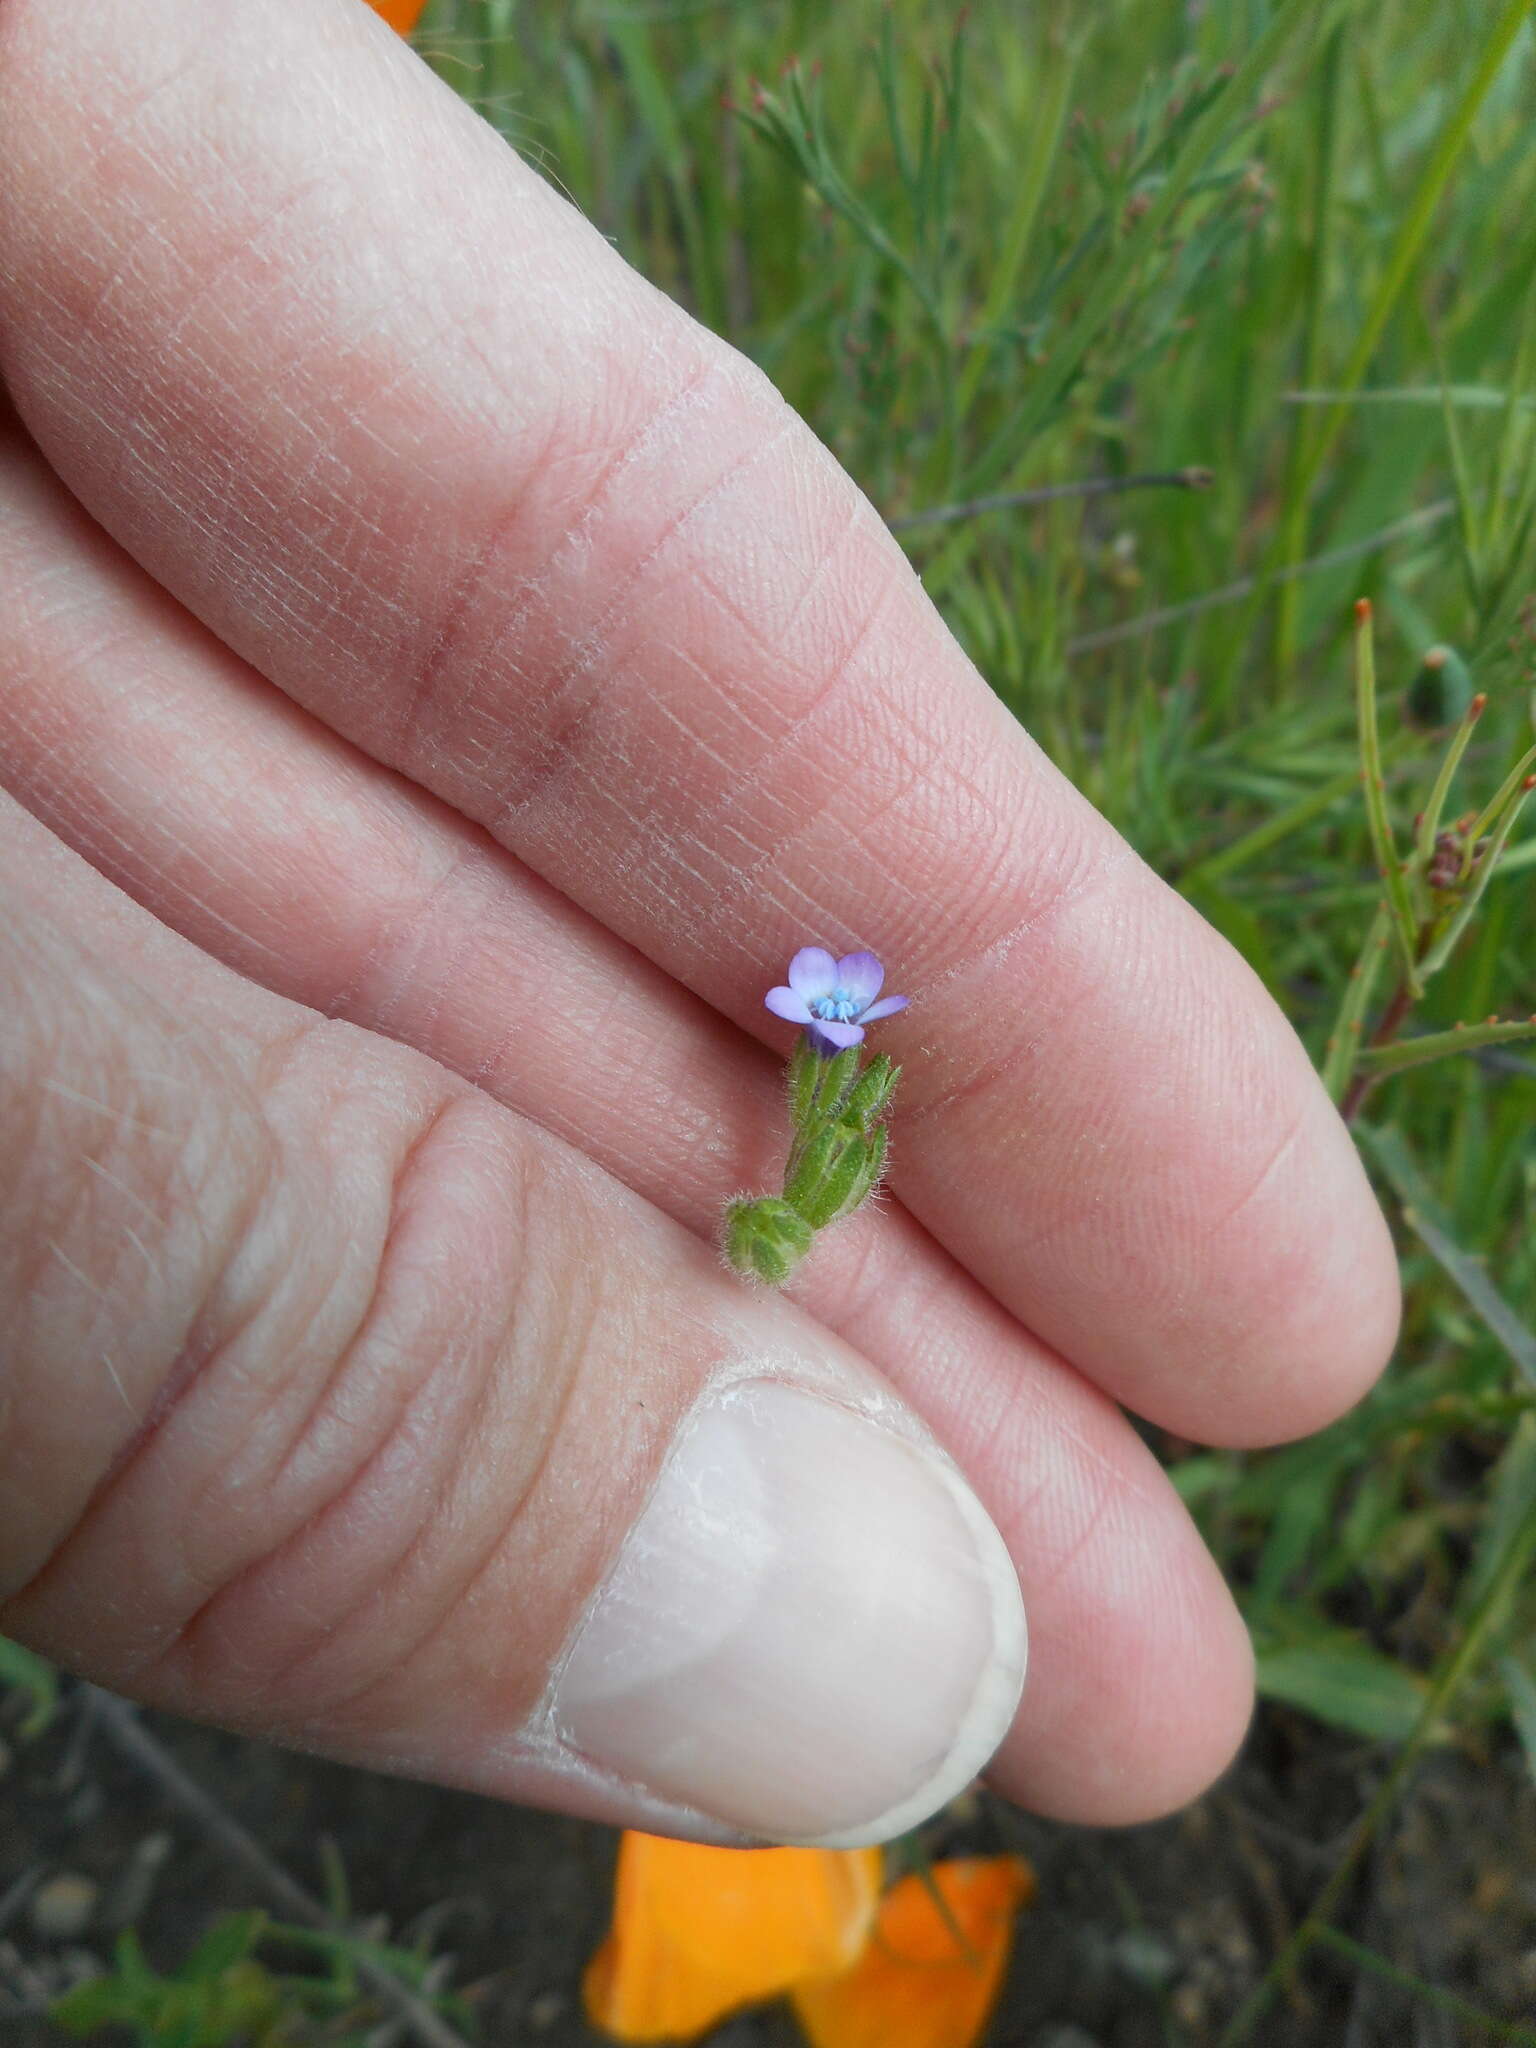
813, 1632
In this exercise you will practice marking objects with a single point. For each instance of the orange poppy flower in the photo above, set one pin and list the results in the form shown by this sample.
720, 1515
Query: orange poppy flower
929, 1975
697, 1931
400, 14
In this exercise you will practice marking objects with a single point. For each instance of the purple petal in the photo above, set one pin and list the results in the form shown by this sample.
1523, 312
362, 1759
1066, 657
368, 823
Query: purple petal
887, 1008
828, 1036
861, 974
785, 1003
813, 973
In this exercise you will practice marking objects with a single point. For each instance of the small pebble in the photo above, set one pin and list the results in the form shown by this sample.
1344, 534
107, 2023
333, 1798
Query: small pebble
1143, 1957
62, 1907
545, 2009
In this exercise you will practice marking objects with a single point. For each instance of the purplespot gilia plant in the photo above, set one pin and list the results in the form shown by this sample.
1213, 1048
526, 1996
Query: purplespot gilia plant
837, 1107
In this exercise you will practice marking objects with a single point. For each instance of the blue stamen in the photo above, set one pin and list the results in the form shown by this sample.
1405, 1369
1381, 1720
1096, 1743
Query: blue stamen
838, 1007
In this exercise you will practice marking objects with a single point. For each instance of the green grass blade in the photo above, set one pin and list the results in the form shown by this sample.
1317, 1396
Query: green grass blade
1325, 213
1449, 2002
1344, 1683
1521, 1688
1106, 294
1409, 241
1394, 878
1421, 1212
1050, 117
1474, 397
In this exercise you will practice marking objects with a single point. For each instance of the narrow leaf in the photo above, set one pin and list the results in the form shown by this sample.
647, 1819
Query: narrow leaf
1403, 1053
1347, 1684
1424, 1217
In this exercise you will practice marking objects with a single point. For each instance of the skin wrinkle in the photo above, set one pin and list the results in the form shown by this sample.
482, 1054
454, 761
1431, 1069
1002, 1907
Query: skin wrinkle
476, 577
1073, 890
392, 1568
224, 1479
168, 1392
459, 1588
797, 738
333, 1383
810, 908
390, 938
93, 836
242, 247
1216, 1227
565, 736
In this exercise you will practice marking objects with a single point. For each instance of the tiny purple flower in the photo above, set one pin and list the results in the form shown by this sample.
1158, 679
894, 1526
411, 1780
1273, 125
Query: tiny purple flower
833, 999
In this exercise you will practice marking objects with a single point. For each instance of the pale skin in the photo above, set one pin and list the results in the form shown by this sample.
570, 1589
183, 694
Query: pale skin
441, 687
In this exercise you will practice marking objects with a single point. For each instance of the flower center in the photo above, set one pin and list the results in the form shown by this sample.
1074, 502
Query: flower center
838, 1008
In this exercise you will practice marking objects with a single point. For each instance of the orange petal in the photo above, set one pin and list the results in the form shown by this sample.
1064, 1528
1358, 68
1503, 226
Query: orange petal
400, 14
916, 1985
697, 1932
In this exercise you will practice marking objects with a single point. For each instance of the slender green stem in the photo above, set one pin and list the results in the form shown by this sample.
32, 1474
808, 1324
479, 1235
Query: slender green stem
1508, 791
1438, 1045
1429, 819
1344, 1040
1486, 865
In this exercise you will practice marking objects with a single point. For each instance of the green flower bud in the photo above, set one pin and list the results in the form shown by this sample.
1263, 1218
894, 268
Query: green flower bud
1441, 691
836, 1079
765, 1239
847, 1183
820, 1158
870, 1096
805, 1065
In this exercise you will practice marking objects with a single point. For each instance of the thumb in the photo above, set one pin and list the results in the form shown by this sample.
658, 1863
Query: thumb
342, 1406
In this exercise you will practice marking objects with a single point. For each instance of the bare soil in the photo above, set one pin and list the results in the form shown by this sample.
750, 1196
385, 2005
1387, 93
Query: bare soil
1139, 1939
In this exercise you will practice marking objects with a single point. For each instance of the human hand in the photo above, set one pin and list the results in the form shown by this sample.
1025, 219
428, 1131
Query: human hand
453, 688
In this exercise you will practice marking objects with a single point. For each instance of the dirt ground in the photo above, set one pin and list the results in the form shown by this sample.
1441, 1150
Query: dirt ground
1139, 1939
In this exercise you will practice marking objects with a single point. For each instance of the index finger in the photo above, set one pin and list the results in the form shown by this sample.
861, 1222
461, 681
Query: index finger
358, 387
